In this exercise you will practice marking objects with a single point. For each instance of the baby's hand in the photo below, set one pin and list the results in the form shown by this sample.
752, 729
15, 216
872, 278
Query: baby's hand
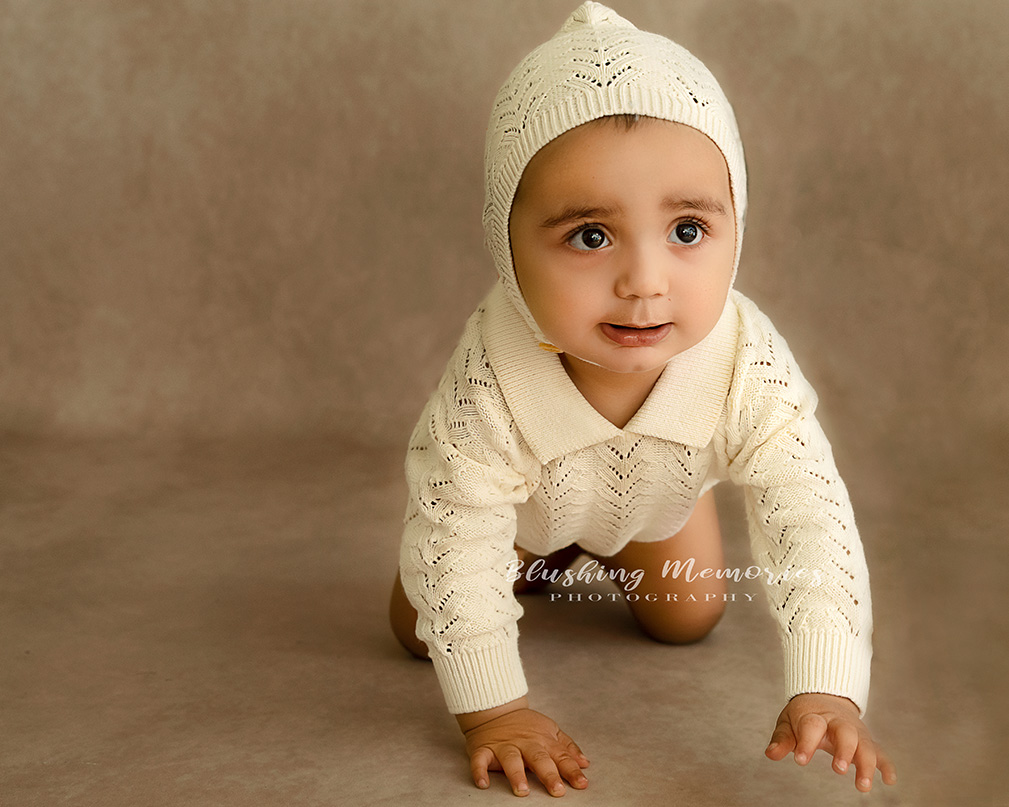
521, 738
831, 723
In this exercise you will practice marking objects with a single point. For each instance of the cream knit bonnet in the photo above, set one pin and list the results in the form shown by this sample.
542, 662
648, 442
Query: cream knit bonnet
598, 64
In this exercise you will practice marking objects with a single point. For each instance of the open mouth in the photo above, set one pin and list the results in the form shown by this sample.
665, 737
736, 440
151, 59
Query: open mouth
636, 336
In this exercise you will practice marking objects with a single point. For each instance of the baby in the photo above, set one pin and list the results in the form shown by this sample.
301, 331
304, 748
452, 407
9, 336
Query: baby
608, 382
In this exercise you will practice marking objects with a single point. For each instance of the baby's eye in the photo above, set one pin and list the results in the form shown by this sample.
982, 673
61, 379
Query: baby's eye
687, 233
589, 239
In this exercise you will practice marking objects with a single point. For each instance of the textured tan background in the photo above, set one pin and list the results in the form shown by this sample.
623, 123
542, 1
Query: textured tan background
227, 222
237, 216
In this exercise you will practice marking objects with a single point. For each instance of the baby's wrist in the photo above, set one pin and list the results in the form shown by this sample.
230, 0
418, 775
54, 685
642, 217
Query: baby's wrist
840, 700
471, 720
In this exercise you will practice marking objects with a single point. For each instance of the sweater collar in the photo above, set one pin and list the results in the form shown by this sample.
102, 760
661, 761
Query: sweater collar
684, 406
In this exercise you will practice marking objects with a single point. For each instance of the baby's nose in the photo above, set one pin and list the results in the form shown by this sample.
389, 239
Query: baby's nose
642, 275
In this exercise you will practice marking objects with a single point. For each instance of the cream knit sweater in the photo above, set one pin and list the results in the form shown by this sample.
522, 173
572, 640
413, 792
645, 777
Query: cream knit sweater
507, 451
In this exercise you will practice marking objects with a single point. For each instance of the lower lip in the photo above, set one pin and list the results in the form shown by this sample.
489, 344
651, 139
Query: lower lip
636, 337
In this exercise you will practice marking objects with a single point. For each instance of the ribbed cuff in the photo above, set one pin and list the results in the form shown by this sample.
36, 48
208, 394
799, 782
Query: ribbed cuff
828, 662
481, 679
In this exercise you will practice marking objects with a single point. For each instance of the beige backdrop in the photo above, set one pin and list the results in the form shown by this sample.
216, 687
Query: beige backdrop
237, 218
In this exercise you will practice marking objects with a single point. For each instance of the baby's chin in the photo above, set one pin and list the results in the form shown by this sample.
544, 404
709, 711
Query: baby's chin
649, 360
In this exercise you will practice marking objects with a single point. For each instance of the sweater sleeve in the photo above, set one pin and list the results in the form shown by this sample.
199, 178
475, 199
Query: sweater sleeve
467, 468
802, 528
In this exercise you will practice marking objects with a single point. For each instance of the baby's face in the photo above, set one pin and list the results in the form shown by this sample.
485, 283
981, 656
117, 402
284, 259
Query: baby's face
624, 241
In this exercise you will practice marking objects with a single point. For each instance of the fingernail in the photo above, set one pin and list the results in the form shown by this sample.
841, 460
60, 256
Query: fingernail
772, 746
482, 783
867, 783
842, 766
557, 789
800, 758
522, 789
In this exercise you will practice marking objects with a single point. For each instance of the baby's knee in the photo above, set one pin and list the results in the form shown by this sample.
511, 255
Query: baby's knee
414, 646
678, 626
403, 621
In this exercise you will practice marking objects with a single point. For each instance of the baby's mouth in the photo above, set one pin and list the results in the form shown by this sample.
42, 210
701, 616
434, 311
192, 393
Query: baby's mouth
634, 335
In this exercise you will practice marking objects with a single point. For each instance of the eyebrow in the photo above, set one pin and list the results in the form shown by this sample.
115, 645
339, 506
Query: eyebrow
572, 214
704, 204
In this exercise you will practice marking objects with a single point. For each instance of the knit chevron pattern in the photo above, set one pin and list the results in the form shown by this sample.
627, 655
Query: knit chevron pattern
633, 488
476, 489
466, 469
799, 511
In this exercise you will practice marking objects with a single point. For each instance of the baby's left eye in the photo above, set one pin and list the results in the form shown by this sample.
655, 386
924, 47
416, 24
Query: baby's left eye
589, 239
687, 233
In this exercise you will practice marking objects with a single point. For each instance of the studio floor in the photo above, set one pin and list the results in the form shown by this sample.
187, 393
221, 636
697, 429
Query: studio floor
204, 623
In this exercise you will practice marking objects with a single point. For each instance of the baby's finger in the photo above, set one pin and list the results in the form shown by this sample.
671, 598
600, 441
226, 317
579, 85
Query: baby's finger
865, 766
886, 768
478, 765
514, 768
845, 742
811, 731
571, 770
782, 742
574, 750
543, 766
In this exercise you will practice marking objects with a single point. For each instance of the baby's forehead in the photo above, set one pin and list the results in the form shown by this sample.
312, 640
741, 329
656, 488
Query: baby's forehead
623, 152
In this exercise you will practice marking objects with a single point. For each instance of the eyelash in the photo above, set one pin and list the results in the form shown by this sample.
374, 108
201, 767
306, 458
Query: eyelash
698, 223
701, 225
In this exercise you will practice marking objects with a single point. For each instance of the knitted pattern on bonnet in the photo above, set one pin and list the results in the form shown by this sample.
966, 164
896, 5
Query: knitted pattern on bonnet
508, 451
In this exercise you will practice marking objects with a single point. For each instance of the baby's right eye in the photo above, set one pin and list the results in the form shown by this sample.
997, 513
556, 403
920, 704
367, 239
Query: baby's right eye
589, 239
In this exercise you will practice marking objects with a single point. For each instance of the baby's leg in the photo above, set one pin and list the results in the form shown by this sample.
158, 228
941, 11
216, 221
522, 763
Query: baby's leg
403, 618
668, 608
550, 565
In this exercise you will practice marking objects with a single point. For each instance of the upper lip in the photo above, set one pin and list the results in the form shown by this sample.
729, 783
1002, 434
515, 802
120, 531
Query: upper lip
636, 325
